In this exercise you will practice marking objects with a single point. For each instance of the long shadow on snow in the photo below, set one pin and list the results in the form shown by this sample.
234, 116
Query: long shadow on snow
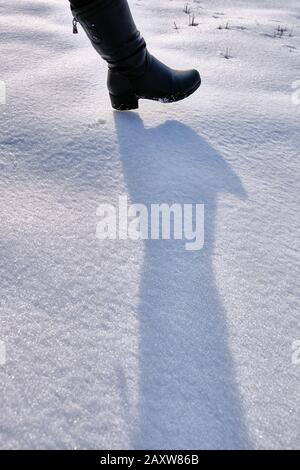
188, 396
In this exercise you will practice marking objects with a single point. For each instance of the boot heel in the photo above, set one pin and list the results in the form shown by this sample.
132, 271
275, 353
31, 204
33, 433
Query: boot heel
124, 102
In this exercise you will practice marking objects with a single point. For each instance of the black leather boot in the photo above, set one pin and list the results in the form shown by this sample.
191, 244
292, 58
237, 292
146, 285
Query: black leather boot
133, 72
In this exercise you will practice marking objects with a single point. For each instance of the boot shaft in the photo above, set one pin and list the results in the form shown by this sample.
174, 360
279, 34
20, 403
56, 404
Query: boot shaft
113, 33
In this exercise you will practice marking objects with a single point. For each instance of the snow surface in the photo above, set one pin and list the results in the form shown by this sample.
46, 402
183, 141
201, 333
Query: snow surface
126, 344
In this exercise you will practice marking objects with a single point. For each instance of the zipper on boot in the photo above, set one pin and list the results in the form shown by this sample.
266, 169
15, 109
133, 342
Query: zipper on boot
75, 29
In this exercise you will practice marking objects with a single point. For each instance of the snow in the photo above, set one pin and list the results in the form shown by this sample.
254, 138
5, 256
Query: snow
142, 344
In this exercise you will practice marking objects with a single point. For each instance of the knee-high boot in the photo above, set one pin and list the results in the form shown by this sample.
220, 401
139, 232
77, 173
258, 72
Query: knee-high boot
133, 73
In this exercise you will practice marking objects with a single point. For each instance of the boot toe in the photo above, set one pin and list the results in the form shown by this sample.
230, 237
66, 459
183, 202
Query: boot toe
189, 81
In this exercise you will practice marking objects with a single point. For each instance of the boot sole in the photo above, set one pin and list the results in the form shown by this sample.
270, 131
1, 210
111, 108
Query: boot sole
131, 101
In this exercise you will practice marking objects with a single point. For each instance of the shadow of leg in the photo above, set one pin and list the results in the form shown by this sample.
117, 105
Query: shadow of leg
188, 393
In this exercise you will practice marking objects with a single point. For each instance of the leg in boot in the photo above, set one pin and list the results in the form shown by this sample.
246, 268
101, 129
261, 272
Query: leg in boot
133, 72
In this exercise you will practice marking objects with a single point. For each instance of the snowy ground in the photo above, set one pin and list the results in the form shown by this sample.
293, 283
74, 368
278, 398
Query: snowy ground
124, 344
